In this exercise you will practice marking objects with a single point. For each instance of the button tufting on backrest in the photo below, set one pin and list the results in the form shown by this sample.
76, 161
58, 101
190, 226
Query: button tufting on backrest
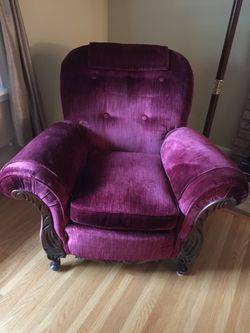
129, 97
106, 115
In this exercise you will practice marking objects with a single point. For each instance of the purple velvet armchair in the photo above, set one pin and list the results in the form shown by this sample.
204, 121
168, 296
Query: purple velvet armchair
122, 178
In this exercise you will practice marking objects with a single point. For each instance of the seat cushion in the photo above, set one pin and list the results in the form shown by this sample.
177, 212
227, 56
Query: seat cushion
124, 191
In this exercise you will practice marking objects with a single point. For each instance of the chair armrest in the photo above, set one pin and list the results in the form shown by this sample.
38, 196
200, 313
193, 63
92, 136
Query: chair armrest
48, 167
199, 174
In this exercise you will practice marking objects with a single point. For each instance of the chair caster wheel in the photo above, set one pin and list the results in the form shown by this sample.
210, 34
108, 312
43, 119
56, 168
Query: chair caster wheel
178, 273
181, 269
55, 265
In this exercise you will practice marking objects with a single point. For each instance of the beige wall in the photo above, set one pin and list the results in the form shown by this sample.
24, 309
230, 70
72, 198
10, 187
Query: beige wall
196, 29
54, 27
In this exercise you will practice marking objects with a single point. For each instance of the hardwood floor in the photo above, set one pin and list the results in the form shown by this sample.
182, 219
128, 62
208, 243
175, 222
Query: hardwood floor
96, 297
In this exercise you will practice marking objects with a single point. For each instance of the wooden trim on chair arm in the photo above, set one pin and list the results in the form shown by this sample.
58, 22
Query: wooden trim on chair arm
192, 245
51, 242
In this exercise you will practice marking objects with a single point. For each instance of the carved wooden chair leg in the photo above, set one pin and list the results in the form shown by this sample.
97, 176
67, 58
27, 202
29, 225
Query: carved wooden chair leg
191, 247
52, 245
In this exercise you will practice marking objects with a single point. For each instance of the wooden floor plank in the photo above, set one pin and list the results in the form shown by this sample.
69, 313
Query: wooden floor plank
95, 297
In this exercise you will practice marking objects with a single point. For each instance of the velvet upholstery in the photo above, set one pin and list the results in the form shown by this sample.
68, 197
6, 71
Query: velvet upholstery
116, 56
92, 243
123, 190
123, 177
41, 168
199, 174
129, 108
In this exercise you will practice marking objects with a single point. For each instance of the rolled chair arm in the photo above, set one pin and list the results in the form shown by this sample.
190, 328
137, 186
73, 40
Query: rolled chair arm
48, 168
199, 174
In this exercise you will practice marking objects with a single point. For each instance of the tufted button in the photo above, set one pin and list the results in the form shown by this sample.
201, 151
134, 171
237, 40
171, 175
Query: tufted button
144, 117
106, 115
93, 77
161, 79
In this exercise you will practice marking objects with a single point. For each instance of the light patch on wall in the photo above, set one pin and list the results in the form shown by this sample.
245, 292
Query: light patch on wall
54, 28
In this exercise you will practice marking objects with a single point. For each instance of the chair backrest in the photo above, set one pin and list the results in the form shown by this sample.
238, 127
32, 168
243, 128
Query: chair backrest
127, 96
